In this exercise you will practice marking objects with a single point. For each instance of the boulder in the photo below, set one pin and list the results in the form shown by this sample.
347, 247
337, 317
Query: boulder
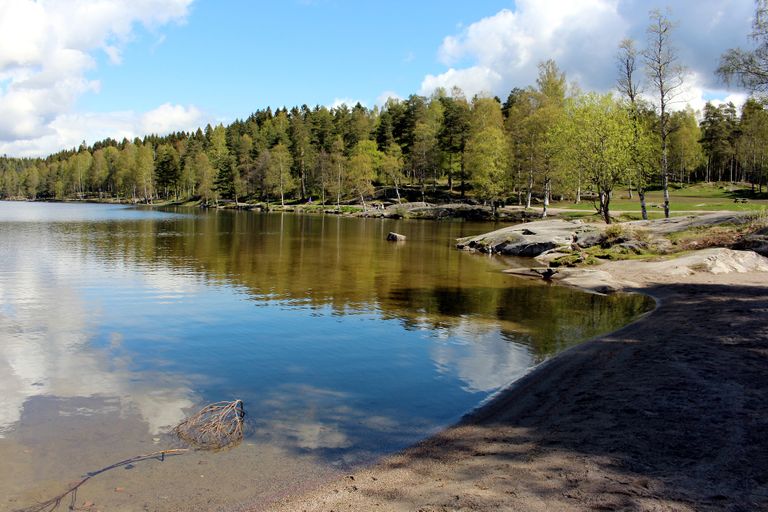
395, 237
531, 239
586, 239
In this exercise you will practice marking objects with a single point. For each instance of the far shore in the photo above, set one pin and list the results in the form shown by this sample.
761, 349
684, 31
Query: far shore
387, 209
667, 413
372, 209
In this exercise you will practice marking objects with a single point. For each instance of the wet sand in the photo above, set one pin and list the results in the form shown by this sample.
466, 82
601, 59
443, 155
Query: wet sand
668, 413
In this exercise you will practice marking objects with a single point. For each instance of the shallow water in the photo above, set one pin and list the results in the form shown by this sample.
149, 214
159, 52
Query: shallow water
117, 322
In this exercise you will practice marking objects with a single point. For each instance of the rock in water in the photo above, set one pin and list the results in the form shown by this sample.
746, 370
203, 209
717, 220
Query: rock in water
395, 237
531, 239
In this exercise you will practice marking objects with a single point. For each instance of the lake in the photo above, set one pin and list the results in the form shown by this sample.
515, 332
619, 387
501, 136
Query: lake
117, 322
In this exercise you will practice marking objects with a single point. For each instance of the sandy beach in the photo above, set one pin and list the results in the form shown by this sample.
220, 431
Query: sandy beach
668, 413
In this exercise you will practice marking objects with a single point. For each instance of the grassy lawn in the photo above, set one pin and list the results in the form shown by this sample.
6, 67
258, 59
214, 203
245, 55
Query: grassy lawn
704, 197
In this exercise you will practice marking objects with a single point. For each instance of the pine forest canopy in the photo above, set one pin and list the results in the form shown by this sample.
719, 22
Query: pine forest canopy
546, 140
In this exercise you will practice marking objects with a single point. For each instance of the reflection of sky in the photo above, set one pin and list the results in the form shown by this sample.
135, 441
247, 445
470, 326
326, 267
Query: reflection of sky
480, 356
80, 320
45, 330
11, 211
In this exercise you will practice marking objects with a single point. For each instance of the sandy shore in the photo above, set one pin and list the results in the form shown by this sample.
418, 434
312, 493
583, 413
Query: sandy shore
669, 413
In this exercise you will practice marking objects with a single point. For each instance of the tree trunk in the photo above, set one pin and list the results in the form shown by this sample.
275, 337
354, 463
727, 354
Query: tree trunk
664, 169
530, 189
303, 177
605, 201
731, 169
338, 192
643, 207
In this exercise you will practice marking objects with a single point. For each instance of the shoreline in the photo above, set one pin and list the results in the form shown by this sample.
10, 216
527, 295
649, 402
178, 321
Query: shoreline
666, 413
410, 211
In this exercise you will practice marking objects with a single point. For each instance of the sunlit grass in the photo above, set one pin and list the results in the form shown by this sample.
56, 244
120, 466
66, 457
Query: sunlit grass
700, 197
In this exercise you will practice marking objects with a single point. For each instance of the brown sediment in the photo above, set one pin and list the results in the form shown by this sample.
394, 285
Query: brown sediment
668, 413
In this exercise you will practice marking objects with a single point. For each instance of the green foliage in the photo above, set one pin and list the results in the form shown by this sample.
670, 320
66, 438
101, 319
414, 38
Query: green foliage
363, 164
487, 159
594, 141
391, 167
201, 168
167, 168
278, 180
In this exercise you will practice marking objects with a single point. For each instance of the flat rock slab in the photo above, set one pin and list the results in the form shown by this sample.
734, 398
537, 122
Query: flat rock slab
677, 224
604, 279
713, 261
530, 239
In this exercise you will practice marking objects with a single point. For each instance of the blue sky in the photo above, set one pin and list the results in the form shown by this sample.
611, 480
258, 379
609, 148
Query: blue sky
74, 70
232, 57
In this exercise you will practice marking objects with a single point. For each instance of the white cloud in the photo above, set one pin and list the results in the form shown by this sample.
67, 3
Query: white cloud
472, 80
500, 52
387, 95
46, 49
503, 50
695, 92
167, 118
69, 130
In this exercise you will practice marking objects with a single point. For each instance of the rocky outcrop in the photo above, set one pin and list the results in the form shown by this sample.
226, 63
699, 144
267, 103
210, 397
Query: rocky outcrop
682, 223
464, 211
395, 237
713, 261
626, 275
533, 238
757, 242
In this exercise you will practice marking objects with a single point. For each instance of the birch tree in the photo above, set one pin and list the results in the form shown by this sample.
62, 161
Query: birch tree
594, 138
279, 172
487, 151
666, 77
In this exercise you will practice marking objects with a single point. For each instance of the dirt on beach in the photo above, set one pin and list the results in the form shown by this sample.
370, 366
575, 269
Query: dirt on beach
668, 413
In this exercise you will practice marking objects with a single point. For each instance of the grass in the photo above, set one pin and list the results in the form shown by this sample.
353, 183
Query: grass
699, 197
593, 255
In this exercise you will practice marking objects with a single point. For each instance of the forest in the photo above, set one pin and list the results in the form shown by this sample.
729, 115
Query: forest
548, 140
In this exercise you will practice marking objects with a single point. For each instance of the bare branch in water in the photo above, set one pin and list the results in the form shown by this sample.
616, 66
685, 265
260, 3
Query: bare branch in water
214, 427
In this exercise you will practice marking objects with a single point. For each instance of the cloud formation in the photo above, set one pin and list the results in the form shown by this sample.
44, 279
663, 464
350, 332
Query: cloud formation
500, 52
48, 47
68, 130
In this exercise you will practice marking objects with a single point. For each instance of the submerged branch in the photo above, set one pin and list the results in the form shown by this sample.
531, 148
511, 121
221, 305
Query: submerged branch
215, 426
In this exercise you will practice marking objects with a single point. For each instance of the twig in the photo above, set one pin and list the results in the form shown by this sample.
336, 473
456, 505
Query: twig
215, 426
53, 503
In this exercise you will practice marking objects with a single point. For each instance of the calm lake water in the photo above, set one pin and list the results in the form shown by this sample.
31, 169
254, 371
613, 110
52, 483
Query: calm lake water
117, 322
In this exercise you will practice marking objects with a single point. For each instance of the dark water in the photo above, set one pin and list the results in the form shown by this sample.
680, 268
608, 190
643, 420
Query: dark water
115, 322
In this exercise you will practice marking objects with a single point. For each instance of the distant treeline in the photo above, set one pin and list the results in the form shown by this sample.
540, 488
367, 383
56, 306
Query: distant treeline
542, 140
